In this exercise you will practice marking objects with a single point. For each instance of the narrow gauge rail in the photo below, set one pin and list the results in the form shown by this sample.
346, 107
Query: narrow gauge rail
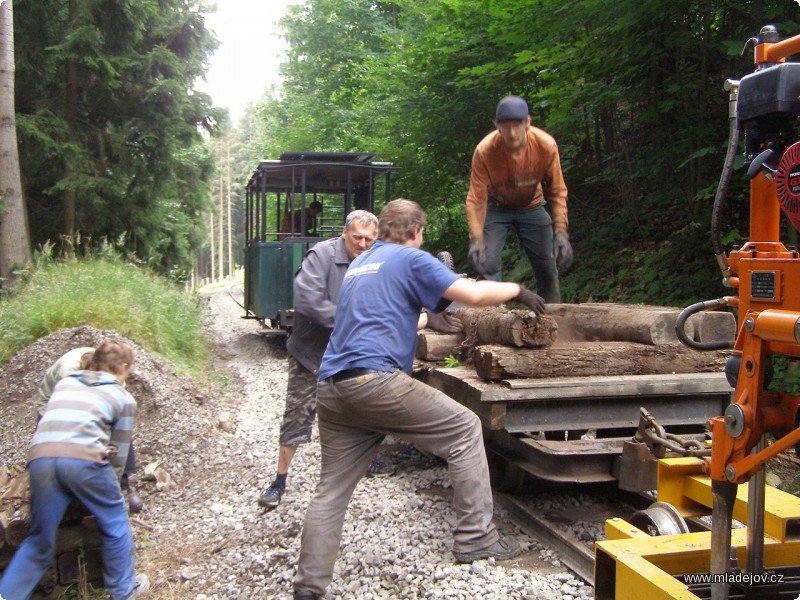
573, 552
573, 437
569, 521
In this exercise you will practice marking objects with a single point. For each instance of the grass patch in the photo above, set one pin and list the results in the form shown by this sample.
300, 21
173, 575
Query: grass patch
106, 293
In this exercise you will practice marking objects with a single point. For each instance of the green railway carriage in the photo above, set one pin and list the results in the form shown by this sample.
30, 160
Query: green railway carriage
281, 222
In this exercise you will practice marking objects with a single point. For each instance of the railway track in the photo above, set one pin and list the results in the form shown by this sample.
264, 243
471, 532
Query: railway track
571, 435
570, 519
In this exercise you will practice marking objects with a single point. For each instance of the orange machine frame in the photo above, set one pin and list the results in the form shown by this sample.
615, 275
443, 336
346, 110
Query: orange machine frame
769, 323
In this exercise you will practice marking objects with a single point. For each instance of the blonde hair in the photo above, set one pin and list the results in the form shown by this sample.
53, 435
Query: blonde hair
400, 220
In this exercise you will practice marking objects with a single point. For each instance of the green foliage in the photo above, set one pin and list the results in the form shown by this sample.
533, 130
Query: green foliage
632, 92
81, 589
107, 115
451, 362
786, 377
105, 292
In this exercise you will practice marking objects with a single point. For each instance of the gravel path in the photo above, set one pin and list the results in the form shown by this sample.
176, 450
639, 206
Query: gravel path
206, 454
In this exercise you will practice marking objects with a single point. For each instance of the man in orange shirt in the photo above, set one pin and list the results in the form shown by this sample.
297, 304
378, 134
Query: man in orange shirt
509, 167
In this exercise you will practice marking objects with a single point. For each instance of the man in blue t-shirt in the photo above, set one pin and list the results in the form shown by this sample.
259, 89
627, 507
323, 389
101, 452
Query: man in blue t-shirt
366, 392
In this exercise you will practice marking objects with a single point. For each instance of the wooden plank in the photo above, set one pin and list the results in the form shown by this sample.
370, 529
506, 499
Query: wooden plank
583, 359
622, 385
466, 383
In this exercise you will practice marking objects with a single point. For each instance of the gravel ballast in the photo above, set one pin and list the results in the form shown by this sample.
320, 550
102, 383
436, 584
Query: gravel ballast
205, 454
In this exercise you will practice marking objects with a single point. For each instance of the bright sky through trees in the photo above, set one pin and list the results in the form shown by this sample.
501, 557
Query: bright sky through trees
246, 62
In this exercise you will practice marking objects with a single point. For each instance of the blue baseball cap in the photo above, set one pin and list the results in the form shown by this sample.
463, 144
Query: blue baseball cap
511, 108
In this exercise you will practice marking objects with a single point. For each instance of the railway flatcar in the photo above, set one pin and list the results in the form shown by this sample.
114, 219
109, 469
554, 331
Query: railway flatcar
291, 204
574, 412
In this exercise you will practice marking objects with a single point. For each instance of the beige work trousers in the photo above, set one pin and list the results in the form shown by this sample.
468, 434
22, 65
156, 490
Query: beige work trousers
354, 416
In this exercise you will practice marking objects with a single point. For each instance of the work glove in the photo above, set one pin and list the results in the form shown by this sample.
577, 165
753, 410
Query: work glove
562, 251
533, 301
477, 256
444, 322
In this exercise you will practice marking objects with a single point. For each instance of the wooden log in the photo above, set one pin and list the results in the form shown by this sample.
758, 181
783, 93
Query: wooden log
16, 490
654, 325
515, 328
3, 521
5, 476
15, 508
713, 326
585, 359
19, 525
433, 346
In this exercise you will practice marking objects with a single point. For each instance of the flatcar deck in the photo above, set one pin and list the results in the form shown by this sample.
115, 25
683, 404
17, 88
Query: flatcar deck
573, 429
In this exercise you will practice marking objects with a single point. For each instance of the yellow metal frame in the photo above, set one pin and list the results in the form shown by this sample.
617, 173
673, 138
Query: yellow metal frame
632, 565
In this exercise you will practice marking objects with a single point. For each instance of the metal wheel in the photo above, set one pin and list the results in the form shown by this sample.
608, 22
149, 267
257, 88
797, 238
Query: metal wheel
446, 258
660, 518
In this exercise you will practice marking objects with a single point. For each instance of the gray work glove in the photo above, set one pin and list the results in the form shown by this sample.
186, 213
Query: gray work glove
444, 322
533, 301
562, 251
477, 256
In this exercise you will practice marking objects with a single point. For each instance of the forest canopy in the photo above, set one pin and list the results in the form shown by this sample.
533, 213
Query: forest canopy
109, 123
632, 92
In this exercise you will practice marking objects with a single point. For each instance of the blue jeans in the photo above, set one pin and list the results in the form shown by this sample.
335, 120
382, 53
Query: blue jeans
534, 228
354, 416
54, 483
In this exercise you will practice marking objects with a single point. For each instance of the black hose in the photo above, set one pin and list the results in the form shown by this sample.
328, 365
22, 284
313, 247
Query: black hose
680, 325
724, 181
716, 226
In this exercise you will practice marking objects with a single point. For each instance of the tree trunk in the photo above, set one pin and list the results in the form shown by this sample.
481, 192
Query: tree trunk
585, 359
221, 252
230, 221
712, 326
567, 323
15, 248
70, 200
211, 243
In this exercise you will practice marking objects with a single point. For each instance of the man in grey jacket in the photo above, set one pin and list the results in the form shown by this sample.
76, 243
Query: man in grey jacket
316, 291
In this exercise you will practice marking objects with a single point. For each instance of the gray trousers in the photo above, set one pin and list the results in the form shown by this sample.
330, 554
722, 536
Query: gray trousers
534, 228
301, 405
354, 416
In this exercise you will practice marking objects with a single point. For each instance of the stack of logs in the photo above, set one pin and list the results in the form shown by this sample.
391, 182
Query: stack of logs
579, 340
15, 510
77, 551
